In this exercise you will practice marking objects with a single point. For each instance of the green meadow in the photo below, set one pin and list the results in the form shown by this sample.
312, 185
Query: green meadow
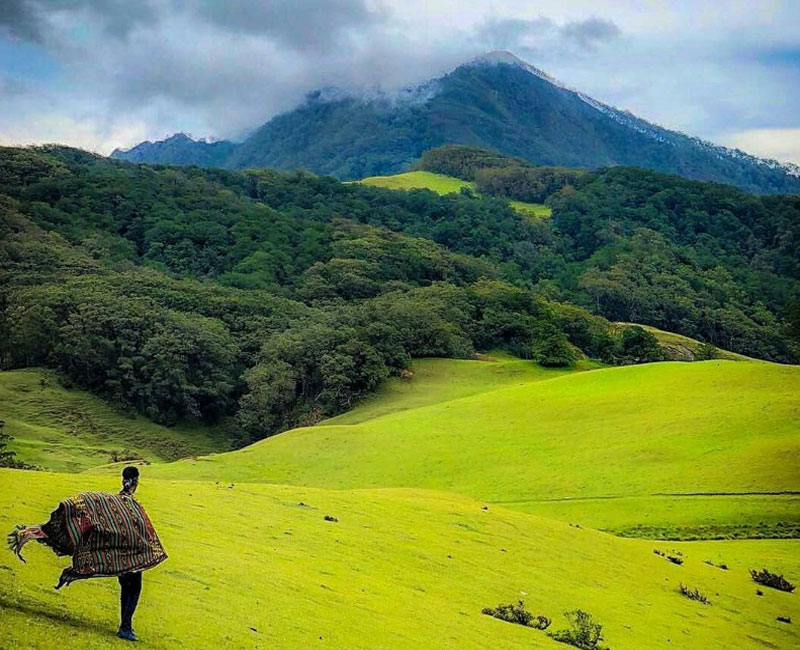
442, 184
589, 438
443, 380
71, 430
257, 566
469, 484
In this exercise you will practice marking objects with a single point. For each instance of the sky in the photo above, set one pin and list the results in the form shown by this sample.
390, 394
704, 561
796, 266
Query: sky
101, 74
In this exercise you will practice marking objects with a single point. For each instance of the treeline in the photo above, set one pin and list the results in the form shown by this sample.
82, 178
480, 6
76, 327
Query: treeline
465, 162
178, 294
499, 175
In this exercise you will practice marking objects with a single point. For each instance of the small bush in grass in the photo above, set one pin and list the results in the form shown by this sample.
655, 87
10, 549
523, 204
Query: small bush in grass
769, 579
693, 594
584, 632
518, 614
120, 456
705, 352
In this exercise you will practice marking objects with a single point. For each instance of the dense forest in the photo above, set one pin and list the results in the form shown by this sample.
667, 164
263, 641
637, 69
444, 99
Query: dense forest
271, 299
702, 259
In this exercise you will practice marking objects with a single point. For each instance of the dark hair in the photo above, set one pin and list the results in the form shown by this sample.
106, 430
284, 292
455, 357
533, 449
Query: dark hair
130, 472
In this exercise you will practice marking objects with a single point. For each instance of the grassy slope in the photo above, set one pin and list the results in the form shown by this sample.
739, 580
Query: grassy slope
442, 380
683, 348
669, 428
250, 567
442, 184
71, 430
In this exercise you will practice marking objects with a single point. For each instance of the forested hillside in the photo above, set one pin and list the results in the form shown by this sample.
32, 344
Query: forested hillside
281, 298
702, 259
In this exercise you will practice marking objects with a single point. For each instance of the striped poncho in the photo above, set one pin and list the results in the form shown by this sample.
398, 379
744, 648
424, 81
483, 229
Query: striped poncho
106, 535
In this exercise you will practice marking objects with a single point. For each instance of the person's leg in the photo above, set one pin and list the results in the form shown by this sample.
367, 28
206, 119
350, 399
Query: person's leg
131, 587
123, 598
135, 589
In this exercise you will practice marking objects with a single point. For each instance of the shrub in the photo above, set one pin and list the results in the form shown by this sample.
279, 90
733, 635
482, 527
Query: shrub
705, 352
119, 456
693, 594
769, 579
637, 345
553, 351
584, 633
517, 614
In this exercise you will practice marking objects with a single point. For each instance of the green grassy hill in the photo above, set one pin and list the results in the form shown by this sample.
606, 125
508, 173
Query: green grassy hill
678, 347
442, 184
256, 566
72, 430
582, 447
442, 380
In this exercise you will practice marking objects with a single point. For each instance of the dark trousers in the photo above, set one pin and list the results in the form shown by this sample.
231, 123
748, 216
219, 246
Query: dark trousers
130, 586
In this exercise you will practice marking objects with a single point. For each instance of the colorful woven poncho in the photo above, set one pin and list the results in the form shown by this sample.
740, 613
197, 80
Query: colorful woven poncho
106, 535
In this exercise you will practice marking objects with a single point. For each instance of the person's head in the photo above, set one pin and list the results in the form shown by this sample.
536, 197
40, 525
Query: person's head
130, 479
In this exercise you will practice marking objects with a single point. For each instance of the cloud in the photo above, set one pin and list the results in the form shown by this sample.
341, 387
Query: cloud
306, 25
590, 33
778, 144
38, 20
542, 34
20, 19
93, 71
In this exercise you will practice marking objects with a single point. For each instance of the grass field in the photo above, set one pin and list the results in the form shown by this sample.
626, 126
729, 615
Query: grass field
256, 566
473, 483
713, 428
71, 430
442, 184
443, 380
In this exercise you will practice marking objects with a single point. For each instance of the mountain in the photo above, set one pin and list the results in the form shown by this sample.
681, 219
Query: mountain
495, 101
178, 149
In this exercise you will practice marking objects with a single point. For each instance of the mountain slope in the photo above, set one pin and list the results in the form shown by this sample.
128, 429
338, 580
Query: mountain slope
496, 101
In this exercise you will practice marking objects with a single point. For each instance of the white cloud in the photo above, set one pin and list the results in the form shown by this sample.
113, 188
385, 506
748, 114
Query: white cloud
218, 68
779, 144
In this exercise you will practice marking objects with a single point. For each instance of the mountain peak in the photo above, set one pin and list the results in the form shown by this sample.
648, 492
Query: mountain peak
504, 57
499, 56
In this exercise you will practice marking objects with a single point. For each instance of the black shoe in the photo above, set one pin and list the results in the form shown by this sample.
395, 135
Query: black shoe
128, 635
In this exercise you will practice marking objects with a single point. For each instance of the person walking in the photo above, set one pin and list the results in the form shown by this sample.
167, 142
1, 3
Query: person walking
107, 535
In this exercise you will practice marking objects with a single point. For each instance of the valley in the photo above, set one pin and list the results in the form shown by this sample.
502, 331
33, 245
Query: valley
363, 414
432, 534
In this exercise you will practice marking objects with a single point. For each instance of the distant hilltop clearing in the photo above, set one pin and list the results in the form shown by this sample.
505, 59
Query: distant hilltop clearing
495, 101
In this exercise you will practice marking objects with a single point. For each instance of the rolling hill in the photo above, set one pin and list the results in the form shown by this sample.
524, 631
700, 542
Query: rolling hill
71, 430
495, 101
470, 484
668, 449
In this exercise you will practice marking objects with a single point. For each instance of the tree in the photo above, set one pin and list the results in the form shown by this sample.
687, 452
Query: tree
637, 345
